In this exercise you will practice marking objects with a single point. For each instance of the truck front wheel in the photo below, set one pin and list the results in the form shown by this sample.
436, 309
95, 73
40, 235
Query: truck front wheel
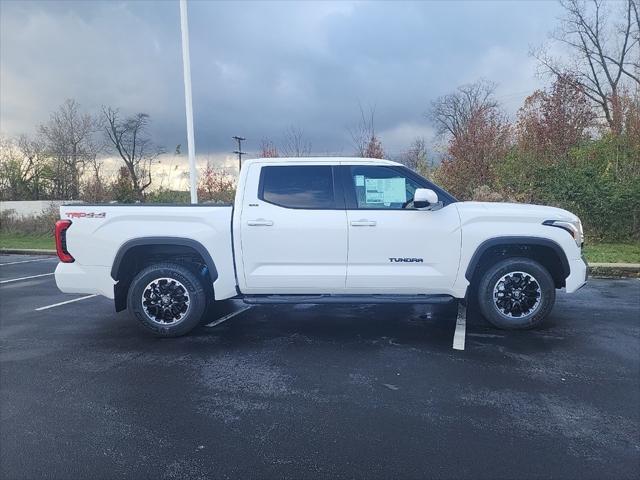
516, 293
167, 299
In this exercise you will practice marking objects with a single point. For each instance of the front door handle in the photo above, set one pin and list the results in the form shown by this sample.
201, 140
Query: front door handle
363, 223
260, 222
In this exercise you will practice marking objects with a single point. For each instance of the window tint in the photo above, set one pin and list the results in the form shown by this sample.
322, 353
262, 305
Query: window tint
382, 187
298, 186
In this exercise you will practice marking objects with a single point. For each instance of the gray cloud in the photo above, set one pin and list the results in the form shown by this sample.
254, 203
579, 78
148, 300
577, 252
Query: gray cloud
260, 67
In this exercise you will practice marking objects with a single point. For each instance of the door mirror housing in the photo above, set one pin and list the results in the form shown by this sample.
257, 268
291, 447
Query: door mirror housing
424, 198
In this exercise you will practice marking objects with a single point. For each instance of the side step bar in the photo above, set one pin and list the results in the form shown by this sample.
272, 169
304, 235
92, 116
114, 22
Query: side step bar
347, 299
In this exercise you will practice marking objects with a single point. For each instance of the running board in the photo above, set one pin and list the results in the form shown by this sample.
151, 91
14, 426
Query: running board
348, 299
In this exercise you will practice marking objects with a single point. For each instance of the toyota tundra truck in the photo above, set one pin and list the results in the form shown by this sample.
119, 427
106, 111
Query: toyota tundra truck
321, 230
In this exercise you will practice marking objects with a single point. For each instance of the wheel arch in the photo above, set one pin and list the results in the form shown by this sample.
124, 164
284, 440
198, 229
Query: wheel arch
136, 253
543, 250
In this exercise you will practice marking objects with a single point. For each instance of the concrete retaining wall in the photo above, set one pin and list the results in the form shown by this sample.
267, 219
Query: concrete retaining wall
29, 208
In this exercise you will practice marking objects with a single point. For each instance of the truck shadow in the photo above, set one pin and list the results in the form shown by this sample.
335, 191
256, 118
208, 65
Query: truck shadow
406, 325
428, 328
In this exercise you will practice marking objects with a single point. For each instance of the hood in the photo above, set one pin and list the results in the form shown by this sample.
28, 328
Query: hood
517, 211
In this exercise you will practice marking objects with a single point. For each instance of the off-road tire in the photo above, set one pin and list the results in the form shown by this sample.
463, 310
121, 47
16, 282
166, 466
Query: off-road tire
189, 280
486, 295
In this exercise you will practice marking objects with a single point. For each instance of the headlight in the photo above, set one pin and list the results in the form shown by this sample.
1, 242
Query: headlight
574, 228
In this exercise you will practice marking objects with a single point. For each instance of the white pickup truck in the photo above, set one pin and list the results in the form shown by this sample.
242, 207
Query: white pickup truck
321, 230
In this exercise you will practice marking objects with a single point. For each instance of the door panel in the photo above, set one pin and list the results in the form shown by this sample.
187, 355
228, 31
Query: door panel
394, 249
288, 249
404, 251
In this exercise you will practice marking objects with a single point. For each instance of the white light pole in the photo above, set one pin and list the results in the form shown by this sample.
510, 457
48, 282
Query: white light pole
186, 65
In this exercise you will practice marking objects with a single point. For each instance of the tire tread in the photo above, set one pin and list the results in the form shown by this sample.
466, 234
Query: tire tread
189, 279
485, 293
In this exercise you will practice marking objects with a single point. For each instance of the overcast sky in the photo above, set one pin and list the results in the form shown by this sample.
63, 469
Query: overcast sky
258, 68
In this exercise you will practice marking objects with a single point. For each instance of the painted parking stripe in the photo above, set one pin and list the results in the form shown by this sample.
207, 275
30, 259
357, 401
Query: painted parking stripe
64, 303
227, 317
461, 327
26, 278
28, 261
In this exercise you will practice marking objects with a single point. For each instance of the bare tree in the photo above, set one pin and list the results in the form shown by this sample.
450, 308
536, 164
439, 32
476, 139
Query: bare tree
268, 149
363, 135
24, 169
36, 169
416, 157
453, 113
95, 187
374, 148
635, 35
295, 144
69, 139
605, 53
129, 138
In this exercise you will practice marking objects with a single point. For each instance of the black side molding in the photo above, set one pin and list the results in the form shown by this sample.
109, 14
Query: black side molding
173, 241
525, 241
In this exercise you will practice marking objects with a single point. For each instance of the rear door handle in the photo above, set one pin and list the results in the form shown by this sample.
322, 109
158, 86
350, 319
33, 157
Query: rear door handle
260, 222
363, 223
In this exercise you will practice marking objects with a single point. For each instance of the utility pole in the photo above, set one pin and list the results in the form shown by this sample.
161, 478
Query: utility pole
186, 67
239, 152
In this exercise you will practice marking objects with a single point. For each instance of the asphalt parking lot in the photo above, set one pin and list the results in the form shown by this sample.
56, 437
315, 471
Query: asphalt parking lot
316, 391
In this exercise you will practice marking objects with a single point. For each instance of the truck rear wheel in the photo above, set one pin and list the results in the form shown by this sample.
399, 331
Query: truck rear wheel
516, 293
167, 299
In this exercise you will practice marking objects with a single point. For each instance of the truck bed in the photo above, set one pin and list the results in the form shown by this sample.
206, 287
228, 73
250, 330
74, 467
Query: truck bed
99, 231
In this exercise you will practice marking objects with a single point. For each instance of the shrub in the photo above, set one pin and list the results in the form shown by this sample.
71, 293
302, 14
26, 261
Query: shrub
484, 194
597, 181
165, 195
216, 186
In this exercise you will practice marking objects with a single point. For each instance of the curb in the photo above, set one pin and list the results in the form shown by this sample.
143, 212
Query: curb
614, 270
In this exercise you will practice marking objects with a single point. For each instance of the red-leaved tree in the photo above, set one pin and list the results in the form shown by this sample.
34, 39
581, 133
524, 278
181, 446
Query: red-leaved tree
552, 122
215, 185
472, 155
268, 149
477, 133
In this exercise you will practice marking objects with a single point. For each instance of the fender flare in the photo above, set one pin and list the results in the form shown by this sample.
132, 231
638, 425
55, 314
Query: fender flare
517, 240
173, 241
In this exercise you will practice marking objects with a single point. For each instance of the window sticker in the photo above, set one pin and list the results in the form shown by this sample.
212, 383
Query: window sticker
385, 190
359, 180
373, 196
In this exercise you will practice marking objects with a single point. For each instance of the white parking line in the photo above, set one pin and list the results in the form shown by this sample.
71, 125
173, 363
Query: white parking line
227, 317
458, 336
27, 261
26, 278
64, 303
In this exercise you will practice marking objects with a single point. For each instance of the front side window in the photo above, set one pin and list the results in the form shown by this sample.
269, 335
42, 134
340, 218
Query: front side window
293, 186
382, 187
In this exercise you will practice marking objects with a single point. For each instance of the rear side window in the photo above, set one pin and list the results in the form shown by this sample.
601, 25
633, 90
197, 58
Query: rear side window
292, 186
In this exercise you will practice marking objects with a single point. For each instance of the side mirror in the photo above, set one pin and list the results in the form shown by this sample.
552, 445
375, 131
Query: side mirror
424, 197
